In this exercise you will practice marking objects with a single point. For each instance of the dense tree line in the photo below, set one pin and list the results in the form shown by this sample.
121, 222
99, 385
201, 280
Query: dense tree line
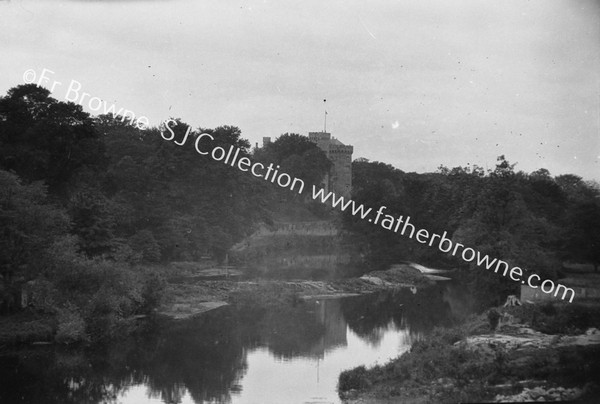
532, 220
87, 203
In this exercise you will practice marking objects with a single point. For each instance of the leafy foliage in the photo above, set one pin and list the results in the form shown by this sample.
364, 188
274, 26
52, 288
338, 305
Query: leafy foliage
86, 203
529, 220
298, 157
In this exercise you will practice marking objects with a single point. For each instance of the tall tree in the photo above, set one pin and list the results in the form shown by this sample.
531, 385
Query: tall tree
298, 157
45, 139
29, 225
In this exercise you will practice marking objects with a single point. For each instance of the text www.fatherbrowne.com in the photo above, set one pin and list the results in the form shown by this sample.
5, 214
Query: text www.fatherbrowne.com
445, 245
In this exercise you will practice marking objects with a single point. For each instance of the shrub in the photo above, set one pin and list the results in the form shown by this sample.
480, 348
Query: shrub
144, 243
105, 292
42, 295
71, 326
448, 335
356, 379
493, 317
153, 291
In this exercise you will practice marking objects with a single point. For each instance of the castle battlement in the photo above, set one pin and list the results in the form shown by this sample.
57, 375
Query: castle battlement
314, 136
341, 149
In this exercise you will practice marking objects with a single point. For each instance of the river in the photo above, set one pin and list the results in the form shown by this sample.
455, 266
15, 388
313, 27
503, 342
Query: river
286, 354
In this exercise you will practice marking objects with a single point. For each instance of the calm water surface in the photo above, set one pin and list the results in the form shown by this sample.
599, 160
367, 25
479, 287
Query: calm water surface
289, 354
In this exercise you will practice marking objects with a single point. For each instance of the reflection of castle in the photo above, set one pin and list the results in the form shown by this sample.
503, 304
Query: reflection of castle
339, 178
328, 313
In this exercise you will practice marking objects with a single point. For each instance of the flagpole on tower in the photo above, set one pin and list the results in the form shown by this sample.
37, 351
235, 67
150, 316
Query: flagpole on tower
325, 124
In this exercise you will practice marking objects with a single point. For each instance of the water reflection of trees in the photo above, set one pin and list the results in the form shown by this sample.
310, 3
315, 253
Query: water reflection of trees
369, 316
206, 357
289, 331
51, 376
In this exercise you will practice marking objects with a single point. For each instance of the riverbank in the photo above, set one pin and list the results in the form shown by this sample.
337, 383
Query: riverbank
191, 296
545, 352
228, 351
186, 295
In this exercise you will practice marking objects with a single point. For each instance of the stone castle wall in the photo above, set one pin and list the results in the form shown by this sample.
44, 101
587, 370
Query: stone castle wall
339, 179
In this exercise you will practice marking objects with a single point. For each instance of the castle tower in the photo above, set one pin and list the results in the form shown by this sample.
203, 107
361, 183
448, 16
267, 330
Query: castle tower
339, 178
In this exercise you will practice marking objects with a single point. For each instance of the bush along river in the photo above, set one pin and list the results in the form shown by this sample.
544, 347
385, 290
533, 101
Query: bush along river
291, 352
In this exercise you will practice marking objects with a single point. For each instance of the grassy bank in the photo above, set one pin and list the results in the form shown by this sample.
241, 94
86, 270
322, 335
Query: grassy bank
534, 353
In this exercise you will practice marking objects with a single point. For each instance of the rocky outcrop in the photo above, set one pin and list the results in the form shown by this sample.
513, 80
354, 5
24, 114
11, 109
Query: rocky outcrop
522, 337
400, 275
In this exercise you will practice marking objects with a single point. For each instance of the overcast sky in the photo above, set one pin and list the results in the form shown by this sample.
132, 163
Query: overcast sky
414, 84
